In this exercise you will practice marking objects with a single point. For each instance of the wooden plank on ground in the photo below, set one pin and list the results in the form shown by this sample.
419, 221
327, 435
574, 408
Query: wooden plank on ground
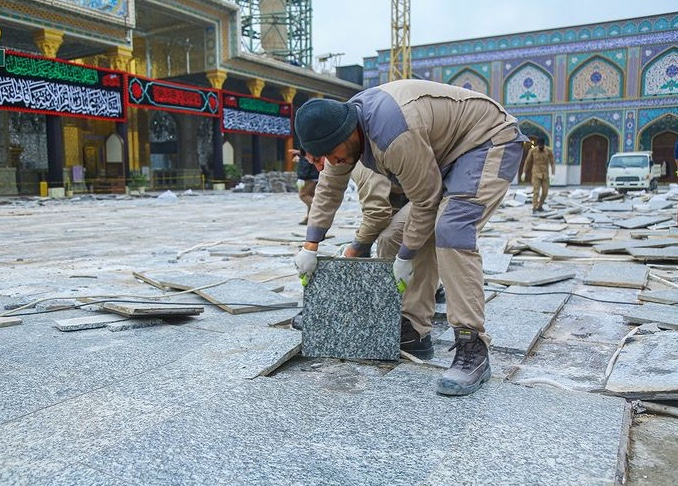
618, 274
625, 245
531, 277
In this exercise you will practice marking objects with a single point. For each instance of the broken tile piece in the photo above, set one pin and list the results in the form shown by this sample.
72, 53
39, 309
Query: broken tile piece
530, 277
136, 309
88, 322
9, 321
352, 310
618, 274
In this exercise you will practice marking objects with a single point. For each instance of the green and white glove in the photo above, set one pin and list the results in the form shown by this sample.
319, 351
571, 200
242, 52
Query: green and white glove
402, 271
306, 261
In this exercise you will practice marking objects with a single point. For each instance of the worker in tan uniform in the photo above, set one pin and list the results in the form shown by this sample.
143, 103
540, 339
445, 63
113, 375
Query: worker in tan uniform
540, 160
454, 152
385, 209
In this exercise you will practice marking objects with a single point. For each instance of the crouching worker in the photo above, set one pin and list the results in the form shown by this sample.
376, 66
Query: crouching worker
454, 153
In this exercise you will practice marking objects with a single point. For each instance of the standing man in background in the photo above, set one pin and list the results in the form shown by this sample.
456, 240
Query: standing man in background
454, 152
539, 159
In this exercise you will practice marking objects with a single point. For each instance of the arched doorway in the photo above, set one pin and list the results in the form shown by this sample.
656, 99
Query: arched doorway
660, 136
662, 151
595, 152
590, 146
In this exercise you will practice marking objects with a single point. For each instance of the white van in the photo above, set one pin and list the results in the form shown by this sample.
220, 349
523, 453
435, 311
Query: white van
633, 171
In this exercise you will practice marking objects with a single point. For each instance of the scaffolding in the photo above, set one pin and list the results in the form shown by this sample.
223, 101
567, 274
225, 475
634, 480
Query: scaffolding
400, 66
278, 28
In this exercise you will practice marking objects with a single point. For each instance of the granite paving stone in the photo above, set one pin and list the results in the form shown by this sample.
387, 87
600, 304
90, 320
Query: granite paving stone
617, 274
302, 435
530, 277
647, 367
364, 323
664, 315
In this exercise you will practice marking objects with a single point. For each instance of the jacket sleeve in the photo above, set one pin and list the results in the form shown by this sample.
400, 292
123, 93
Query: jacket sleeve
373, 191
411, 159
528, 161
329, 194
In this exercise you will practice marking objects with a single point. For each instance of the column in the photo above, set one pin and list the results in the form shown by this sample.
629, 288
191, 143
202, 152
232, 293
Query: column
288, 93
255, 86
49, 41
216, 77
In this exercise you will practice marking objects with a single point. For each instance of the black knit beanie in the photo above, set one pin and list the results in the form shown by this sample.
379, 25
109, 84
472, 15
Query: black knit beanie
323, 124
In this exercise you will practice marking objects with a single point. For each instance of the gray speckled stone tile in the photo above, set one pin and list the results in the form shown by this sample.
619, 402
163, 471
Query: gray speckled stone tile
547, 298
496, 263
352, 310
531, 276
289, 432
666, 316
647, 368
512, 330
515, 330
617, 274
86, 322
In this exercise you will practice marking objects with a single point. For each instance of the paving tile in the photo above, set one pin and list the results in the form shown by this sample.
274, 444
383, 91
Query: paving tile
302, 435
364, 323
665, 296
624, 245
614, 274
9, 321
664, 315
642, 221
654, 254
647, 367
552, 250
86, 322
531, 277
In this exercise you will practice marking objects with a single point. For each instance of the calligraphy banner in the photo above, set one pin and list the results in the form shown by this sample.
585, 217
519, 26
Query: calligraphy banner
258, 116
161, 95
55, 87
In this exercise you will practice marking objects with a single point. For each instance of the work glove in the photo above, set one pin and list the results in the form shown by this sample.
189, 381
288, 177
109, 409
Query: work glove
402, 271
306, 261
300, 184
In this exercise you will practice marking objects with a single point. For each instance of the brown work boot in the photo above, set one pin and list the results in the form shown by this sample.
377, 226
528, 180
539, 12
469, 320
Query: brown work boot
470, 367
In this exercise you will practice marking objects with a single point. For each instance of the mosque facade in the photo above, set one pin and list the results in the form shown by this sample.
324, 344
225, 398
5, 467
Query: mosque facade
590, 91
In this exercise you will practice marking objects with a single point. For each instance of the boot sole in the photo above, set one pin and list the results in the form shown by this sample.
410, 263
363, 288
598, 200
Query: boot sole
454, 389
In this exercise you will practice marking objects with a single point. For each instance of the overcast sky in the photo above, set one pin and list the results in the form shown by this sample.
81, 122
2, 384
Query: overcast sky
359, 28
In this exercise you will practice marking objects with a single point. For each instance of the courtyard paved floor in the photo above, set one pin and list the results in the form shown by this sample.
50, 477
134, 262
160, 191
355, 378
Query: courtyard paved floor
219, 398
